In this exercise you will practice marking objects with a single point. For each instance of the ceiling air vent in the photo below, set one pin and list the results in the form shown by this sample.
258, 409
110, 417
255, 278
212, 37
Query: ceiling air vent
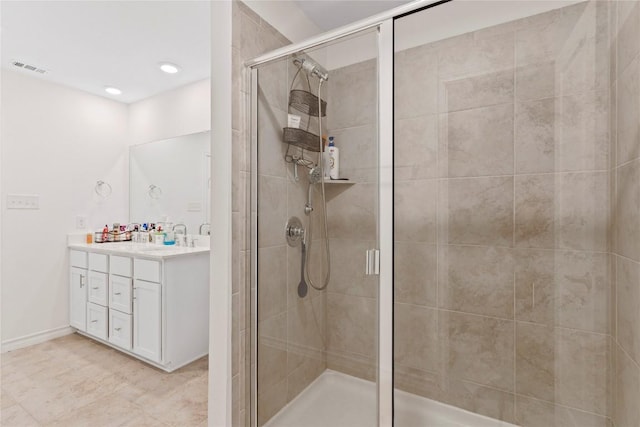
29, 67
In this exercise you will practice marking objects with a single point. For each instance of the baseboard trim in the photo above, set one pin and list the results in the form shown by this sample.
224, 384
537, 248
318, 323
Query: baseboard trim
33, 339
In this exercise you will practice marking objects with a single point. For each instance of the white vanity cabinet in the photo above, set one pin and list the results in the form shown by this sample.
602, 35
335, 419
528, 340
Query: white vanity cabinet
153, 306
78, 290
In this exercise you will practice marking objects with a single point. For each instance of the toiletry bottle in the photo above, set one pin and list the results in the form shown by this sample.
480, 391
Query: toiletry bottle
105, 233
325, 156
334, 160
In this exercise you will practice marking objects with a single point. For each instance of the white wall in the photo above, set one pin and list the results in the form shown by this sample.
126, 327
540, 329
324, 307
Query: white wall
56, 142
181, 111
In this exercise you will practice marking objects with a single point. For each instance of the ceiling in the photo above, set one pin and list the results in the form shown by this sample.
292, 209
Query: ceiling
89, 45
330, 14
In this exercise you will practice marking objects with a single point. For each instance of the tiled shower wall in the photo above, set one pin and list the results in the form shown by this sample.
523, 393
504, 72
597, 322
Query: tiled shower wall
502, 290
291, 340
625, 170
504, 253
502, 273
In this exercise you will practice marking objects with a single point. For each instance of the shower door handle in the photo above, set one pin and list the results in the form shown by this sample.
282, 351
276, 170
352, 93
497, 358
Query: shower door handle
372, 265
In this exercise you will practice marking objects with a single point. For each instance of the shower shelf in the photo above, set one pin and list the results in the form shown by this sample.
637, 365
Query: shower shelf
338, 182
301, 138
306, 103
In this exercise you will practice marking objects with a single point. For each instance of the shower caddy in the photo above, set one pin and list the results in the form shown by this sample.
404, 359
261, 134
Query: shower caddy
301, 140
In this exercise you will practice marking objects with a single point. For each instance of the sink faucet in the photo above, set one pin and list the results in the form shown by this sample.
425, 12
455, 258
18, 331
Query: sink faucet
182, 229
207, 226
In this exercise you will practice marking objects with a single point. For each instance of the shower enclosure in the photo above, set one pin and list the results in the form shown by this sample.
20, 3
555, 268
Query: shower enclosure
481, 254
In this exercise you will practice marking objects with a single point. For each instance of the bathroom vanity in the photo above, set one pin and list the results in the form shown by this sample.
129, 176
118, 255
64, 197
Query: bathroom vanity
149, 301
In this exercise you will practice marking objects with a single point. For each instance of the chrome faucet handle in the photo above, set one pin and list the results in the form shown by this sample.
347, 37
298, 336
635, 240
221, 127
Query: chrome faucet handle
203, 225
182, 227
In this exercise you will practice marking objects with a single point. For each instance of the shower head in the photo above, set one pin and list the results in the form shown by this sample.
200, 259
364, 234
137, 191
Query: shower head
315, 175
312, 68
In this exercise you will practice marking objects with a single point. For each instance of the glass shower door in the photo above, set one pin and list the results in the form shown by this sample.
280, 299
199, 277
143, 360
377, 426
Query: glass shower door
316, 305
501, 214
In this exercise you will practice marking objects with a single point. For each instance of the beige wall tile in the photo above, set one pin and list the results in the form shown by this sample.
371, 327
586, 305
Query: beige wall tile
481, 400
628, 210
351, 324
365, 367
626, 411
306, 329
582, 359
415, 82
536, 413
582, 211
271, 149
536, 81
464, 56
495, 87
272, 204
628, 306
272, 284
415, 273
478, 349
415, 143
477, 280
628, 36
628, 110
351, 212
480, 211
358, 152
304, 375
535, 360
351, 92
271, 401
415, 211
480, 141
534, 211
560, 288
567, 366
582, 138
416, 347
347, 268
541, 41
535, 128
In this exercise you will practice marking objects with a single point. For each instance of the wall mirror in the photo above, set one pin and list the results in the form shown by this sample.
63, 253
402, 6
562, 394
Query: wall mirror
169, 181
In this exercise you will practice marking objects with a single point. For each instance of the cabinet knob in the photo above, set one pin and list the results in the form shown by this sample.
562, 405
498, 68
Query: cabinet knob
94, 321
117, 293
95, 287
117, 329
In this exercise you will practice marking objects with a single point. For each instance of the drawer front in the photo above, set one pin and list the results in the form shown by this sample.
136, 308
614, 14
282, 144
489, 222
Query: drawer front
147, 270
120, 265
97, 290
98, 262
120, 329
120, 293
97, 320
78, 258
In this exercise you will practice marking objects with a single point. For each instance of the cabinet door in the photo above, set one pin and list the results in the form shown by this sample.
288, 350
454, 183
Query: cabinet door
97, 288
78, 298
120, 293
147, 319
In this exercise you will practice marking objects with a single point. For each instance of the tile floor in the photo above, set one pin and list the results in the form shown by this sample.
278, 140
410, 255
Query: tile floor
75, 381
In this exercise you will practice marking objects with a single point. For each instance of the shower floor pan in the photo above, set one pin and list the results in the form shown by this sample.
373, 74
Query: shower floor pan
339, 400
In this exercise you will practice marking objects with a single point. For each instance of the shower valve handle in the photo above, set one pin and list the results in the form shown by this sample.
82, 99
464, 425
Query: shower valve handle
294, 231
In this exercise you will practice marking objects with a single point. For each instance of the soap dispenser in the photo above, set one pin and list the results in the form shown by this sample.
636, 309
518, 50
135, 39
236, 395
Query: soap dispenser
334, 160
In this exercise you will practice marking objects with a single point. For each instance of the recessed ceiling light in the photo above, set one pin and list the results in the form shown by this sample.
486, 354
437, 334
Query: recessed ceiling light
169, 68
112, 90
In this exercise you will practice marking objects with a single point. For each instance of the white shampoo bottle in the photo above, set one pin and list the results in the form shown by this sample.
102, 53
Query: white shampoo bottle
334, 160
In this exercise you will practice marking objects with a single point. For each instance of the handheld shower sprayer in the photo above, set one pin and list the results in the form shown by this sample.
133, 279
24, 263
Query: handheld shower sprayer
312, 68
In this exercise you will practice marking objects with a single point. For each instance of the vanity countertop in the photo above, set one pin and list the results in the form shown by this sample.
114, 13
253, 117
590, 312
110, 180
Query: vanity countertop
139, 249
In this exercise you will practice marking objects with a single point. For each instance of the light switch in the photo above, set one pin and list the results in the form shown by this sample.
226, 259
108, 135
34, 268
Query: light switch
23, 201
81, 222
